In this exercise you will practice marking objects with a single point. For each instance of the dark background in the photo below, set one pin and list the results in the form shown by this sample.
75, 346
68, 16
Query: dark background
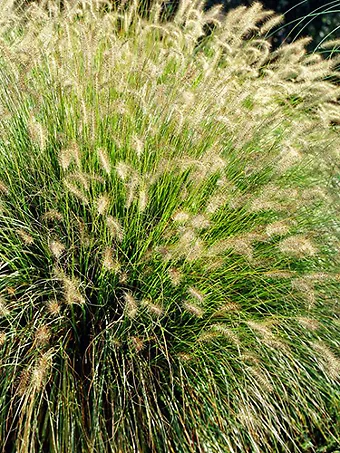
315, 18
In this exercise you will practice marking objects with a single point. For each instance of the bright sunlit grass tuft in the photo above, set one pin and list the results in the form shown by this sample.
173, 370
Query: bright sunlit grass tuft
169, 234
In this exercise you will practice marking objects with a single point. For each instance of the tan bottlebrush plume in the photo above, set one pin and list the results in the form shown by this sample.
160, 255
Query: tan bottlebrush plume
297, 246
42, 335
68, 155
76, 154
200, 222
320, 277
287, 158
37, 132
109, 262
138, 145
260, 328
71, 287
2, 338
131, 306
73, 189
154, 309
57, 248
123, 170
215, 202
308, 323
181, 217
194, 309
52, 215
143, 200
80, 177
278, 228
242, 247
330, 362
103, 203
53, 307
224, 331
104, 160
261, 379
3, 189
115, 228
195, 251
41, 370
138, 343
3, 308
25, 237
131, 190
226, 309
271, 23
175, 276
184, 357
196, 294
305, 287
280, 274
83, 232
123, 277
65, 158
24, 381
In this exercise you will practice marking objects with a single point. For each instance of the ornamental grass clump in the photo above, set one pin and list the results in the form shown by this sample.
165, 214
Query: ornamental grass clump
169, 234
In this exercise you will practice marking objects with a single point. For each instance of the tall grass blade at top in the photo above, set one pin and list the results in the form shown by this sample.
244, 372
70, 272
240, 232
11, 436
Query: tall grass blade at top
169, 234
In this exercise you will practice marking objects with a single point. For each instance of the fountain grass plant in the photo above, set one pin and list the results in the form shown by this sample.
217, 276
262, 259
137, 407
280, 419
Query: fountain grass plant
169, 225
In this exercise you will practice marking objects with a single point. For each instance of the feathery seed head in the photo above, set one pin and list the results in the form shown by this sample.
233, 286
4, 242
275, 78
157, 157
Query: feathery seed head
25, 237
104, 160
65, 158
200, 222
102, 204
56, 248
3, 308
115, 228
52, 215
224, 331
181, 217
175, 276
305, 287
37, 132
138, 146
154, 309
71, 287
194, 309
260, 379
109, 262
138, 343
330, 362
131, 306
196, 294
215, 202
42, 335
123, 277
260, 328
279, 228
143, 200
287, 158
280, 274
53, 307
3, 189
227, 309
123, 170
72, 188
41, 370
297, 246
308, 323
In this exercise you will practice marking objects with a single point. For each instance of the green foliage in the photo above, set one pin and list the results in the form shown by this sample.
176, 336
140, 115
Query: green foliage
169, 225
